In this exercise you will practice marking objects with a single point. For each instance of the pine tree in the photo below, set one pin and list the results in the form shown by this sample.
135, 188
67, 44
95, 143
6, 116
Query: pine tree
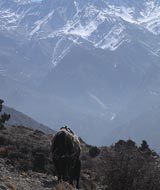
144, 146
3, 117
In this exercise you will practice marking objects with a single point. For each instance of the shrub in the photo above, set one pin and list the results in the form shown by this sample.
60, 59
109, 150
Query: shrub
94, 151
144, 146
4, 117
24, 165
39, 162
3, 152
131, 169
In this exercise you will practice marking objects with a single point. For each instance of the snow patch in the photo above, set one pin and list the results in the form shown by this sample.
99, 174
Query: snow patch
115, 37
113, 117
97, 100
60, 50
41, 23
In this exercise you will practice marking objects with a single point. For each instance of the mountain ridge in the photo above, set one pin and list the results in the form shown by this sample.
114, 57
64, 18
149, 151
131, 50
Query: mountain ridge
86, 63
18, 118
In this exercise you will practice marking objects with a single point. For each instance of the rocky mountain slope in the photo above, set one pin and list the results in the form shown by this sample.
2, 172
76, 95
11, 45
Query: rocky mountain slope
25, 163
83, 63
18, 118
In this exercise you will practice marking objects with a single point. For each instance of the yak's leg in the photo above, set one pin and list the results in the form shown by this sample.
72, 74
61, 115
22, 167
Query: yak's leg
71, 177
59, 178
59, 175
58, 170
71, 172
77, 184
78, 170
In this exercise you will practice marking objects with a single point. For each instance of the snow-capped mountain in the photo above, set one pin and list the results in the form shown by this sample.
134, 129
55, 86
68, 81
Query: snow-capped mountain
103, 24
92, 63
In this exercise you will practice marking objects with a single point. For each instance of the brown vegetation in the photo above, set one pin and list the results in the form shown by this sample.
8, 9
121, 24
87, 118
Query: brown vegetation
123, 166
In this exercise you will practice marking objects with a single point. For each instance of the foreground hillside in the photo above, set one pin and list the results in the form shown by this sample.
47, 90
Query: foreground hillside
26, 164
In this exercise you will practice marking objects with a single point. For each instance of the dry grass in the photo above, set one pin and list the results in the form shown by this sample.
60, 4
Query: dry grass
64, 186
11, 186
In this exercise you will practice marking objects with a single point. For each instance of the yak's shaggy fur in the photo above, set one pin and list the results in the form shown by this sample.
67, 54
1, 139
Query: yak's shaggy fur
66, 152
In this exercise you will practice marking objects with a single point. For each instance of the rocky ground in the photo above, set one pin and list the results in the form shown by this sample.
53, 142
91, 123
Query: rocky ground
26, 164
25, 161
10, 178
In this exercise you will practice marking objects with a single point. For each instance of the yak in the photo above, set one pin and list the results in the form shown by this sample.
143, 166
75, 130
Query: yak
65, 154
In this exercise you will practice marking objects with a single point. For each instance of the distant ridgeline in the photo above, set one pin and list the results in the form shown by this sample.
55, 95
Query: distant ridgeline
3, 117
18, 118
